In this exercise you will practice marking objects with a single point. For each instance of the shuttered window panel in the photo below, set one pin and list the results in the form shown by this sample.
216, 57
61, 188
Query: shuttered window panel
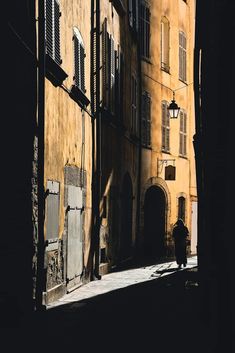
79, 61
130, 12
112, 75
52, 29
146, 119
183, 134
105, 64
144, 19
182, 57
165, 128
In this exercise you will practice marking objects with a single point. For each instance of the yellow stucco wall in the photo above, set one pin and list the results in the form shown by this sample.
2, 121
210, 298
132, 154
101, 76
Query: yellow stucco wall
160, 85
63, 116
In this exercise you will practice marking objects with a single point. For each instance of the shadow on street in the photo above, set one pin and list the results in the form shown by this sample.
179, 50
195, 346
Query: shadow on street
161, 315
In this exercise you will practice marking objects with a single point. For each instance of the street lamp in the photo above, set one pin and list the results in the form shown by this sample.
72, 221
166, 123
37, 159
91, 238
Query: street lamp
173, 108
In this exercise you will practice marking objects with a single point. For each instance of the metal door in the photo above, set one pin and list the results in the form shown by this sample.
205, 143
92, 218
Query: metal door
75, 241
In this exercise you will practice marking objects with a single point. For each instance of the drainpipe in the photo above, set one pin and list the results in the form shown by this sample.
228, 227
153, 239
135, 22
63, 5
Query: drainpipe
138, 213
96, 137
40, 136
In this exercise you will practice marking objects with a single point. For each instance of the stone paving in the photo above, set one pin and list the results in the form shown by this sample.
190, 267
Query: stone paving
121, 279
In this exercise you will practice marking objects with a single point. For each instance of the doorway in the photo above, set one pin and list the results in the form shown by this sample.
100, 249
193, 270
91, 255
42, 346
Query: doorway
154, 222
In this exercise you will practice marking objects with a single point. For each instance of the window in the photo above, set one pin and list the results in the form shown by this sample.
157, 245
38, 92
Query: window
133, 11
181, 208
144, 30
134, 119
52, 219
165, 128
165, 44
182, 56
146, 119
52, 29
109, 63
79, 64
183, 134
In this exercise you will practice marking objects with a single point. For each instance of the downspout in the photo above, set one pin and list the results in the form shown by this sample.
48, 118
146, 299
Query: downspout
98, 144
40, 143
138, 213
96, 137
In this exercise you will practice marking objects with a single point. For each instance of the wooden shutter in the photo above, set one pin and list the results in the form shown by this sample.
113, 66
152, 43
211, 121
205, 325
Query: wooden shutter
105, 61
165, 128
82, 66
112, 75
183, 134
76, 61
130, 12
182, 56
146, 119
57, 57
52, 30
49, 27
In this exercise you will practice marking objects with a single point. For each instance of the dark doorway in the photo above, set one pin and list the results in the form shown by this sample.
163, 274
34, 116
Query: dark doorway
154, 222
126, 218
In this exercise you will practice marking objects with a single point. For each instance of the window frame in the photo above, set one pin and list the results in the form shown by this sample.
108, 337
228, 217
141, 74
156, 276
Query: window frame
183, 134
144, 19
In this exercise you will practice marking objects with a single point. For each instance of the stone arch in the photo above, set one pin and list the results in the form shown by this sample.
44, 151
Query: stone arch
162, 187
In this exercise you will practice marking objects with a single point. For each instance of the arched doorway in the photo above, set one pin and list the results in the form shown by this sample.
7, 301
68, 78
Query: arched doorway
154, 222
126, 218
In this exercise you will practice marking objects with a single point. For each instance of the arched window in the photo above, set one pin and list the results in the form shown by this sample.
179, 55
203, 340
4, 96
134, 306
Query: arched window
79, 60
165, 30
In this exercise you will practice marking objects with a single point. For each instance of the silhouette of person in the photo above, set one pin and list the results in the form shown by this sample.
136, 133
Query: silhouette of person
180, 234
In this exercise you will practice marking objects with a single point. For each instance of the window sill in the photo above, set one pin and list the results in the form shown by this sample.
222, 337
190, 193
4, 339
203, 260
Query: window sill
166, 70
78, 96
54, 72
147, 60
184, 157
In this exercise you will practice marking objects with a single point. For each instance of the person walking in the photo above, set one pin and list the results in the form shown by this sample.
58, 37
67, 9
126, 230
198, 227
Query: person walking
180, 234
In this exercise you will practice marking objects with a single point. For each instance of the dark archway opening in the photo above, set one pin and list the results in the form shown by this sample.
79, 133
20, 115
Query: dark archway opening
154, 222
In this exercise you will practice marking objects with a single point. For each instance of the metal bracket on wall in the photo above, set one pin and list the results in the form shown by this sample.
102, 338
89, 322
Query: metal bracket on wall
161, 162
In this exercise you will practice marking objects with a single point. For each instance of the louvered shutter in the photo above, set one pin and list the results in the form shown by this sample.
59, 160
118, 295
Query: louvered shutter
165, 128
148, 120
76, 61
49, 27
112, 74
105, 57
52, 30
82, 66
57, 57
143, 118
130, 12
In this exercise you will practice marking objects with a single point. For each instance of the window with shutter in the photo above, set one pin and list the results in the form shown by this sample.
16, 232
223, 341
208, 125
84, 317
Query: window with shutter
182, 57
165, 128
146, 119
181, 208
134, 119
144, 30
112, 75
105, 64
52, 29
79, 62
52, 210
183, 134
165, 44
